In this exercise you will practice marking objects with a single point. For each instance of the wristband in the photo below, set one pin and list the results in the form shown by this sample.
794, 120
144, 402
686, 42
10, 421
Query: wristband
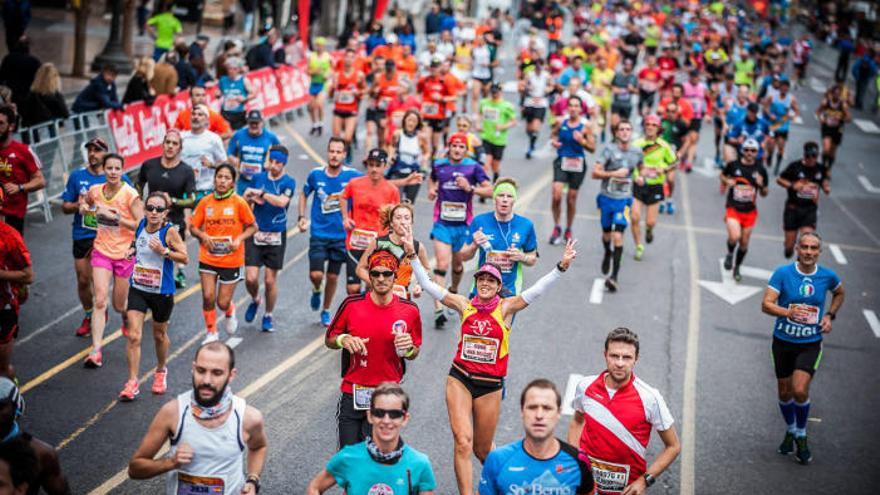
339, 340
410, 352
166, 253
21, 188
831, 315
559, 267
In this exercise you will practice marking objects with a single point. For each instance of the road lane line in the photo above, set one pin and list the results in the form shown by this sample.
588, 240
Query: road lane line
234, 341
873, 322
871, 188
838, 254
689, 406
866, 126
598, 290
47, 325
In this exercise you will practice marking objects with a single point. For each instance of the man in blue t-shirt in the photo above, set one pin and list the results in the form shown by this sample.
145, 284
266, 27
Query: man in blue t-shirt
504, 238
327, 240
539, 463
269, 194
795, 295
249, 148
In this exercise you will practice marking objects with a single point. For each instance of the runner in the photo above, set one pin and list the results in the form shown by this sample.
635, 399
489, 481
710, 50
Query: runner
833, 113
781, 108
614, 413
658, 167
270, 197
570, 136
376, 331
198, 95
209, 429
600, 87
435, 94
385, 88
752, 126
346, 89
537, 86
17, 273
454, 181
248, 150
382, 463
732, 115
409, 150
168, 174
221, 222
744, 178
624, 88
118, 210
650, 78
800, 57
320, 70
615, 169
802, 180
700, 98
235, 92
481, 72
540, 461
20, 171
202, 150
18, 463
497, 117
476, 379
156, 248
796, 295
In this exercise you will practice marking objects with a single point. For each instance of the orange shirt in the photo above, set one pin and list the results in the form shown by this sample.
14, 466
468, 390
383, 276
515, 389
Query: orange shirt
456, 86
112, 239
408, 66
346, 88
222, 220
388, 90
216, 123
433, 89
387, 52
364, 202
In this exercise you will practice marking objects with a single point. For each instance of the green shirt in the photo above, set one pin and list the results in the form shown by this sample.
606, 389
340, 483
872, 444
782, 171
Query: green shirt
166, 27
494, 114
658, 156
743, 71
652, 36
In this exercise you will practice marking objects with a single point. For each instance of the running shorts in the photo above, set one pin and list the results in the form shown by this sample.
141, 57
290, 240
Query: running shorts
225, 275
352, 425
454, 235
315, 88
436, 125
624, 110
779, 134
82, 248
614, 212
696, 125
323, 250
376, 115
159, 304
533, 113
476, 385
745, 219
649, 194
342, 114
835, 133
352, 259
8, 325
120, 268
788, 357
493, 150
268, 256
795, 218
572, 179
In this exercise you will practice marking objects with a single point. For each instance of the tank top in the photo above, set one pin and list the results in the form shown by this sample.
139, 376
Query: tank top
570, 147
833, 114
779, 108
482, 59
233, 87
320, 64
408, 153
218, 464
483, 343
696, 96
404, 271
346, 92
152, 272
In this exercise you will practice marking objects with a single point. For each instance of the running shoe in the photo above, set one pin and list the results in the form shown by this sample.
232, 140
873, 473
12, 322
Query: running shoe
611, 284
567, 235
251, 312
325, 318
130, 391
606, 263
231, 324
640, 250
210, 337
160, 381
736, 275
670, 208
555, 237
529, 154
728, 261
93, 360
439, 319
315, 301
662, 207
649, 235
180, 279
267, 324
787, 445
85, 328
803, 454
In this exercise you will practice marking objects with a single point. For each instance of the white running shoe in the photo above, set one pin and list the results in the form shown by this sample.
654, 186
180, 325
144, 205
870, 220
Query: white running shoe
210, 337
231, 324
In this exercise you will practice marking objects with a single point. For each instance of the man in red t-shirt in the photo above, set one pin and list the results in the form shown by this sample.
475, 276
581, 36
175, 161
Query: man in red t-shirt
19, 171
15, 274
376, 332
436, 93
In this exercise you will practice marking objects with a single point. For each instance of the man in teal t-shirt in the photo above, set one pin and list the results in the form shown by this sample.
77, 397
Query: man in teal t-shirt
163, 27
497, 116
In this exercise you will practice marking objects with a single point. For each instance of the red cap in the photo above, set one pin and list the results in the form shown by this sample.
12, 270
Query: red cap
652, 119
458, 137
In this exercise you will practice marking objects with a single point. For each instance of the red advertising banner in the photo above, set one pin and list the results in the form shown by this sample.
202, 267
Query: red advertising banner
265, 85
294, 86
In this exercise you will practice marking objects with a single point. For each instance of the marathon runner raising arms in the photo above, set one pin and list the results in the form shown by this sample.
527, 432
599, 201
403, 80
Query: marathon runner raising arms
796, 295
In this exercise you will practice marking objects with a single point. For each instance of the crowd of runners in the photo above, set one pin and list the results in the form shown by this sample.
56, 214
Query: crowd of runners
620, 97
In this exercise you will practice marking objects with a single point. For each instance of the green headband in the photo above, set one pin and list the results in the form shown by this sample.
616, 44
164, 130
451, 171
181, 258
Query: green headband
505, 187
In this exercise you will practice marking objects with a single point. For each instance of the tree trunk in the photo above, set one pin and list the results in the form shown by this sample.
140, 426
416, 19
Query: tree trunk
81, 20
128, 27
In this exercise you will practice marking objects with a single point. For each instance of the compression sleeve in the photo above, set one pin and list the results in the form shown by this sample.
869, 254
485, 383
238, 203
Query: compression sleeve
534, 292
427, 284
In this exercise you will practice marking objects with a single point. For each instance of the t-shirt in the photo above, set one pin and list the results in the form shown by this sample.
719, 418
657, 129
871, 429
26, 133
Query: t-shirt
454, 205
112, 239
808, 196
495, 113
518, 233
358, 474
216, 123
179, 182
743, 195
365, 200
14, 255
806, 291
649, 79
614, 158
624, 81
78, 184
18, 164
251, 150
360, 316
166, 27
511, 470
326, 219
758, 130
272, 218
657, 158
195, 146
570, 72
223, 220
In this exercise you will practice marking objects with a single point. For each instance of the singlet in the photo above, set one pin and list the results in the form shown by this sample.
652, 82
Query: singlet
536, 89
152, 272
346, 99
736, 113
757, 130
404, 271
365, 200
319, 64
326, 219
78, 184
408, 153
696, 95
387, 91
517, 233
218, 464
233, 87
832, 114
112, 239
726, 97
433, 89
222, 220
511, 470
743, 72
454, 205
743, 195
569, 147
482, 61
806, 291
779, 108
483, 343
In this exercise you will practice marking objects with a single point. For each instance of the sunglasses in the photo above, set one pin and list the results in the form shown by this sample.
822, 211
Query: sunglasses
391, 413
750, 150
381, 274
155, 209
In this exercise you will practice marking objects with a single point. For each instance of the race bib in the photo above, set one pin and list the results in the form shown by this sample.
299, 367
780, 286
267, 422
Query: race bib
620, 185
500, 258
608, 476
107, 221
267, 238
572, 164
478, 349
361, 397
535, 102
453, 211
188, 484
90, 220
809, 191
650, 172
812, 311
231, 105
743, 193
221, 246
360, 239
345, 98
490, 114
331, 203
430, 108
250, 169
147, 278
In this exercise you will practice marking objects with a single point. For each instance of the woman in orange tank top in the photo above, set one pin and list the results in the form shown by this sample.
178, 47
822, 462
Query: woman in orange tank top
346, 91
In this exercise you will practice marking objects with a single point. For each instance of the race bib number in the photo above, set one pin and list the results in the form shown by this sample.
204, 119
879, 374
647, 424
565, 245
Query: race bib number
650, 172
267, 238
608, 476
107, 221
535, 102
330, 203
620, 185
812, 313
361, 397
188, 484
250, 169
490, 114
221, 246
479, 349
809, 191
501, 259
430, 108
453, 211
231, 104
147, 278
345, 98
743, 193
90, 220
572, 164
360, 239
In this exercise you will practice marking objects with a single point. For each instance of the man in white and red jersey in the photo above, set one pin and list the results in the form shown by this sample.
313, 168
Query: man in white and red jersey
613, 435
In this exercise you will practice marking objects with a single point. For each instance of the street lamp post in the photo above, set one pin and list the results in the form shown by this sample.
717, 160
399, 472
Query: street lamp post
113, 52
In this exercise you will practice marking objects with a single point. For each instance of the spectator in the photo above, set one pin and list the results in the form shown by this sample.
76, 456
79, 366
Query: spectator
447, 21
248, 6
432, 22
45, 101
864, 70
406, 37
845, 48
197, 48
143, 10
163, 27
18, 70
186, 74
138, 88
203, 76
262, 54
294, 50
20, 173
16, 17
164, 80
100, 93
375, 39
231, 49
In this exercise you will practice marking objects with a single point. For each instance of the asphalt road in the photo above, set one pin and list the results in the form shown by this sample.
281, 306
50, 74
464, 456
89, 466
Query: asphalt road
709, 358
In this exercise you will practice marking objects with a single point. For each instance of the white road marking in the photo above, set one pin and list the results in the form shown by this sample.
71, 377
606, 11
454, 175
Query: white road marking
709, 169
837, 253
48, 325
866, 126
570, 389
598, 291
303, 156
817, 85
689, 401
873, 322
866, 183
729, 290
510, 87
753, 272
798, 120
234, 341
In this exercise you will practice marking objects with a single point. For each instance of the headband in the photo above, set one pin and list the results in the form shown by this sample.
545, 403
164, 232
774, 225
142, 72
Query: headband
506, 188
278, 156
384, 259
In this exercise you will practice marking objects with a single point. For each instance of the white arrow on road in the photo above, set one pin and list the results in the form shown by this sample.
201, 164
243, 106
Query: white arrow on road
709, 169
731, 291
871, 188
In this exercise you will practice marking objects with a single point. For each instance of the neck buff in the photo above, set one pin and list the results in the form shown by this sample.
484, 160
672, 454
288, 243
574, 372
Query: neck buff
487, 307
14, 432
384, 457
225, 195
212, 412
